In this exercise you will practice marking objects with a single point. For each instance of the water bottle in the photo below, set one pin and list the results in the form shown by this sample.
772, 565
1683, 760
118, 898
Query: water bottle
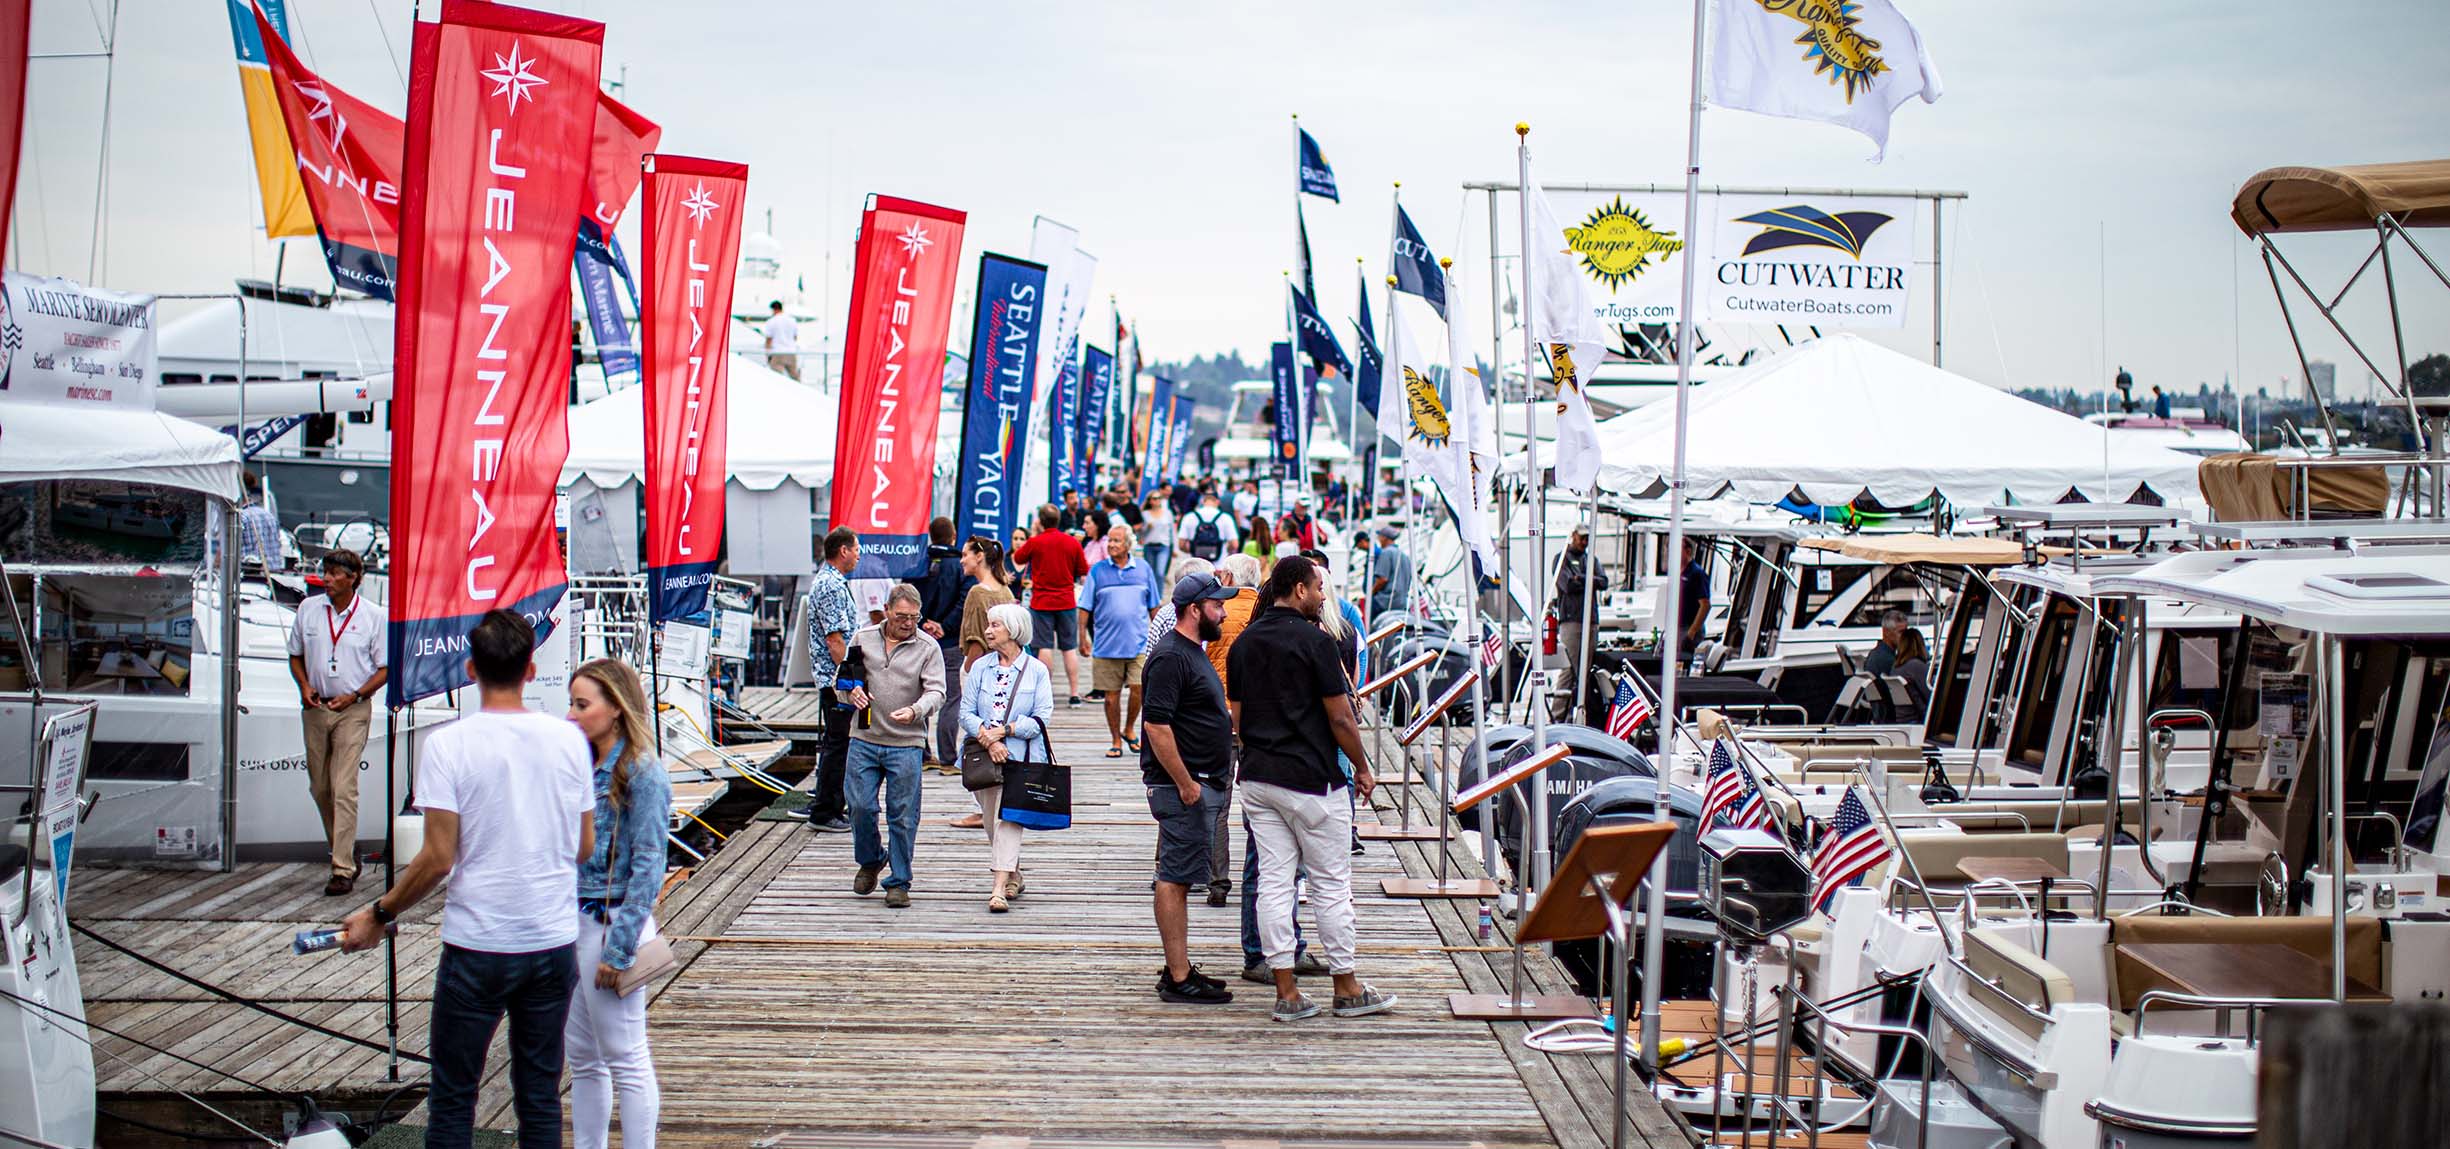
315, 941
1487, 927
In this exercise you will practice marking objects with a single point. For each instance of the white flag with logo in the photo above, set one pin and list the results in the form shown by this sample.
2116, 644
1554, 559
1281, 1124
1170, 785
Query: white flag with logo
1433, 437
1467, 396
1566, 328
1847, 62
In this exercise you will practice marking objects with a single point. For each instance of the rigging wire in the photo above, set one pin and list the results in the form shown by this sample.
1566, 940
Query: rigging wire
149, 1074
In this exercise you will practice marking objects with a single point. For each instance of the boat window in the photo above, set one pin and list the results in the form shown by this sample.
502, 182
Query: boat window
117, 634
138, 762
1960, 647
87, 522
2053, 637
2188, 667
1899, 589
1822, 584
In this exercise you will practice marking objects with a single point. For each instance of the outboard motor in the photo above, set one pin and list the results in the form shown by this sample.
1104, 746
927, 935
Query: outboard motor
1625, 800
1592, 756
1454, 659
1499, 741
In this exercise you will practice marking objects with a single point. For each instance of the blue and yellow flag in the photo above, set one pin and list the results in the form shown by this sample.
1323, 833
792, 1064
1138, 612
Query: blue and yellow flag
276, 166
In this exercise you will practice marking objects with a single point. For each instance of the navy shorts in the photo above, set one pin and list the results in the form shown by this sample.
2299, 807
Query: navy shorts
1054, 630
1182, 833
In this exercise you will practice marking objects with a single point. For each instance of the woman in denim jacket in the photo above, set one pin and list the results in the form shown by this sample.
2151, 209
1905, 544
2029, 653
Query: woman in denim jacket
606, 1037
1006, 697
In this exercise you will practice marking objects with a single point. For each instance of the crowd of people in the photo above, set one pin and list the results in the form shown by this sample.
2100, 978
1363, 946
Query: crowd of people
1164, 598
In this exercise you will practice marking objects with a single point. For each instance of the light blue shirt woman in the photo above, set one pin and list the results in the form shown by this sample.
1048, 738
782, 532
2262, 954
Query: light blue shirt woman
1006, 698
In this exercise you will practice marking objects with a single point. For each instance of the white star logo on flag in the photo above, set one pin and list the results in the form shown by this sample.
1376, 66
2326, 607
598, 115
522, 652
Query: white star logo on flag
513, 76
699, 205
914, 241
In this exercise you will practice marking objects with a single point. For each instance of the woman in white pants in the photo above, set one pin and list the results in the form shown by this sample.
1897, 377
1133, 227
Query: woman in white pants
605, 1040
1006, 697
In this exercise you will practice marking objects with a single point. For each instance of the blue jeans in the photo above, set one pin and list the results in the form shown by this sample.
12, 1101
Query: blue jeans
894, 769
473, 991
1160, 558
1253, 953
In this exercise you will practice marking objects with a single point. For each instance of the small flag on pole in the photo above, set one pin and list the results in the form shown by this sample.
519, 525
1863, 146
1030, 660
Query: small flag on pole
1849, 63
1852, 846
1492, 649
1317, 178
1421, 606
1627, 711
1725, 787
1415, 267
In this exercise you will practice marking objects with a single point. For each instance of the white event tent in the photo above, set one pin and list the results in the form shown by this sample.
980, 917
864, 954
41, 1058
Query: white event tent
39, 441
1842, 417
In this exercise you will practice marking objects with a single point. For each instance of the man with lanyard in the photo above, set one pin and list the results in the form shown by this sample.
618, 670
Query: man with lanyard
831, 622
1208, 533
1574, 572
339, 659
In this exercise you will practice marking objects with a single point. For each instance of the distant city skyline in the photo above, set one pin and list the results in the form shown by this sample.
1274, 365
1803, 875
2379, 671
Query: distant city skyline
2099, 145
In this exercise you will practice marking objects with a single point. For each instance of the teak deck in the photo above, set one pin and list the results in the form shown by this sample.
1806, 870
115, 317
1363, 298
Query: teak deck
806, 1016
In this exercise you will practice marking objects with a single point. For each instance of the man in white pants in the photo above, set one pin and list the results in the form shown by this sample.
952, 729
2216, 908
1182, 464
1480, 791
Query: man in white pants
1293, 708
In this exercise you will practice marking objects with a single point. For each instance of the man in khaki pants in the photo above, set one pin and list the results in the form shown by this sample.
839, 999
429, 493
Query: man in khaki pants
338, 655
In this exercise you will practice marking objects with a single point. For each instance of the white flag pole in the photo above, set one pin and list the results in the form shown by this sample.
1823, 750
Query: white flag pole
1654, 938
1535, 842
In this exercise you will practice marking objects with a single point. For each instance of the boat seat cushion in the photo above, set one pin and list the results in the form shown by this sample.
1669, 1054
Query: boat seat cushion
2129, 981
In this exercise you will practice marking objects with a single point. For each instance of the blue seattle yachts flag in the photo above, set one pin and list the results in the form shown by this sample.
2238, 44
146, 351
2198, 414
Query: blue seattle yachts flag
1317, 178
1365, 376
1318, 339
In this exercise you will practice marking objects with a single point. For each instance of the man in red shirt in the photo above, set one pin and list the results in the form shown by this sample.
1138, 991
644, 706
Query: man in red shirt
1056, 566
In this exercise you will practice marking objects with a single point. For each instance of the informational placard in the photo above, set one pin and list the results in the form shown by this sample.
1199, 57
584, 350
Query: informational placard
70, 345
67, 742
731, 637
2282, 705
682, 654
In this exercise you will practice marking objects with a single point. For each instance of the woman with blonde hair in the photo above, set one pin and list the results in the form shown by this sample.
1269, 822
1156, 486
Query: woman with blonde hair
606, 1036
1006, 697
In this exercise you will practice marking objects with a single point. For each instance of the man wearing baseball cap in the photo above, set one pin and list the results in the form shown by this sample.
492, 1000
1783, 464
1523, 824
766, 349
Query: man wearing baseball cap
1186, 761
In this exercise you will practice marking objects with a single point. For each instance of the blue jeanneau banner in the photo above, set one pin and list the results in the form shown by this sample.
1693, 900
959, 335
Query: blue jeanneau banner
1003, 348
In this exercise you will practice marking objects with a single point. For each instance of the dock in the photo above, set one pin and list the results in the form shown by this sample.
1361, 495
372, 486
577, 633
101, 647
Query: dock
805, 1016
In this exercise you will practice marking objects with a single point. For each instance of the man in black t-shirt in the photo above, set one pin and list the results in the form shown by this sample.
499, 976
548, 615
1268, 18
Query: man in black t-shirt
1293, 705
1693, 600
1186, 761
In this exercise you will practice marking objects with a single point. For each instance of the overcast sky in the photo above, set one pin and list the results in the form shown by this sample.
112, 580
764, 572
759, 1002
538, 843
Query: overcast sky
2079, 128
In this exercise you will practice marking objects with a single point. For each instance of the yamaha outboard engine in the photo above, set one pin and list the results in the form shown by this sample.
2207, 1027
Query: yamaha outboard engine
1499, 741
1591, 757
1626, 800
1454, 658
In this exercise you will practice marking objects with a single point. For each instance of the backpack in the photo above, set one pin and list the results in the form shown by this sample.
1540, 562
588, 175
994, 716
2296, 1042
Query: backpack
1207, 541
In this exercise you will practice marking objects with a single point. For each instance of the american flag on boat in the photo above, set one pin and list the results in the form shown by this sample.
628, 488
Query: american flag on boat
1848, 850
1492, 648
1421, 604
1628, 710
1730, 795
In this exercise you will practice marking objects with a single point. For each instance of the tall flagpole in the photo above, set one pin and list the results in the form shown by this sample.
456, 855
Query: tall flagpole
1537, 839
1352, 397
1654, 938
1292, 334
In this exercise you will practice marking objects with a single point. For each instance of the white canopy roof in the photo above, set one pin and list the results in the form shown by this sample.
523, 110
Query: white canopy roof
2384, 591
1841, 417
777, 430
39, 441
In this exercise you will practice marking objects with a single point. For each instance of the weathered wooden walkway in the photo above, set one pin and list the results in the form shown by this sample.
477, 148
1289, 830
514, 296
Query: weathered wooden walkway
806, 1016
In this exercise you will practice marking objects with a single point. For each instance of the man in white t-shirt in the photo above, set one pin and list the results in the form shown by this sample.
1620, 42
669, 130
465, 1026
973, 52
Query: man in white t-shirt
338, 657
782, 341
509, 802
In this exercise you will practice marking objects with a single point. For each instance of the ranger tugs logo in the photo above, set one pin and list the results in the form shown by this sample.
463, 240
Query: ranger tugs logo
1831, 43
1802, 225
1429, 421
1616, 243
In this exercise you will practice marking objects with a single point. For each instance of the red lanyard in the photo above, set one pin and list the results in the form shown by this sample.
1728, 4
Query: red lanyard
342, 625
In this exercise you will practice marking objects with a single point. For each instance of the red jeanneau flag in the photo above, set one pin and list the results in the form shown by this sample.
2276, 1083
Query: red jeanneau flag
349, 161
16, 17
622, 140
501, 111
892, 381
692, 232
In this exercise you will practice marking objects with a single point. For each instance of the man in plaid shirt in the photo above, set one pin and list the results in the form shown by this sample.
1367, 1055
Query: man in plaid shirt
831, 620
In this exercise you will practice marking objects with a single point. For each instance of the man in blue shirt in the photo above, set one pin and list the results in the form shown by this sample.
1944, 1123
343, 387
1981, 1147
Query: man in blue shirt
1123, 597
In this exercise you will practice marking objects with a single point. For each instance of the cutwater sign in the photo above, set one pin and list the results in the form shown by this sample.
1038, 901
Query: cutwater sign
67, 344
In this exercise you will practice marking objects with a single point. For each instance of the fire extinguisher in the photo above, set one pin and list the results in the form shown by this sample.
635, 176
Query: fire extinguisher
1548, 633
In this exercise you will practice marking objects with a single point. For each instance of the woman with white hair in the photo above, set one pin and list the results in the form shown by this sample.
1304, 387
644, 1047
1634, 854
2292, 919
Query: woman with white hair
1006, 698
